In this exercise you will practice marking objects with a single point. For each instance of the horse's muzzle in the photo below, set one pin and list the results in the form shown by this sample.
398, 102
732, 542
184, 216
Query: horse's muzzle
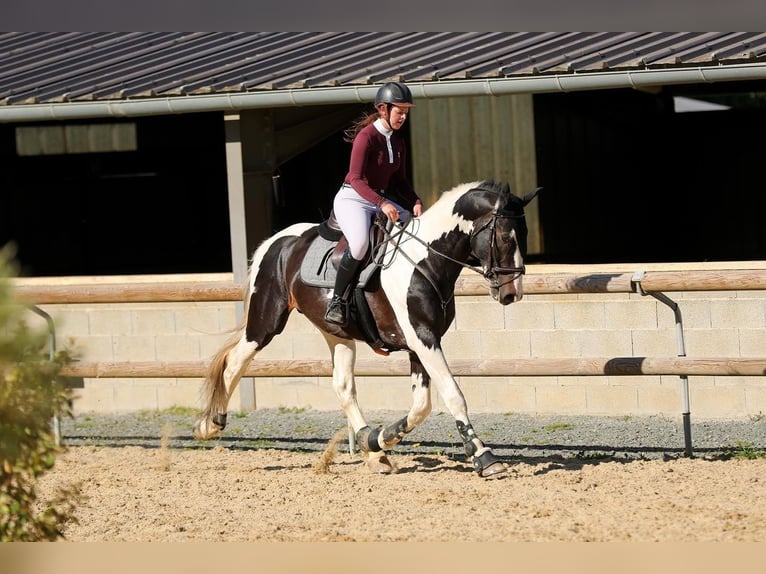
507, 292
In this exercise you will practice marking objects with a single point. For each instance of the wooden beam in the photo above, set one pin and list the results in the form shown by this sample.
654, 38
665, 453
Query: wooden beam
467, 284
527, 367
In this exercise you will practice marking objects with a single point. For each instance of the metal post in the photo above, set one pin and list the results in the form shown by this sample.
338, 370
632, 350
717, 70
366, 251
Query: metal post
55, 422
686, 413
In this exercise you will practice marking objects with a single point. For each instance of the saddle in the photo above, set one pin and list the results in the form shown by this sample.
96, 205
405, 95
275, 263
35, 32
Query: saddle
320, 266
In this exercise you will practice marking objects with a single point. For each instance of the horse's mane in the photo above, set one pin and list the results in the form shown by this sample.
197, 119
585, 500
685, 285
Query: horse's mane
500, 187
449, 199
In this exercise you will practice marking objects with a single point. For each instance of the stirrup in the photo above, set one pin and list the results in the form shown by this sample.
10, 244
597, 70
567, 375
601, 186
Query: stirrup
336, 311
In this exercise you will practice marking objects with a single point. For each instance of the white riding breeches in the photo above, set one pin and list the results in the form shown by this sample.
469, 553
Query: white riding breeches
354, 215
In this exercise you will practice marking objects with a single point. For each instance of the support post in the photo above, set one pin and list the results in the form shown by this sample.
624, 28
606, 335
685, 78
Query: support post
238, 234
56, 420
685, 403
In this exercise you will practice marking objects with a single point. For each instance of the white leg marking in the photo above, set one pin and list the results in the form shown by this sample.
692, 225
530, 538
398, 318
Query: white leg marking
343, 353
236, 363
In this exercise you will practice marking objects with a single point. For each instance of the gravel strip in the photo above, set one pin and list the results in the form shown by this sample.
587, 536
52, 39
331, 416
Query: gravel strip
511, 436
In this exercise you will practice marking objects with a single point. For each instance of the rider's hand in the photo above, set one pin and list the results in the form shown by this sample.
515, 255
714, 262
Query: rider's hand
389, 209
417, 210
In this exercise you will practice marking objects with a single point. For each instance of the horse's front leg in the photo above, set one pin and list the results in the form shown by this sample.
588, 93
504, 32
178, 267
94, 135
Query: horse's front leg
484, 461
388, 437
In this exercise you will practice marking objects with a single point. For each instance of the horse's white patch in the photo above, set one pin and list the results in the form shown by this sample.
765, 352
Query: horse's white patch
439, 218
296, 230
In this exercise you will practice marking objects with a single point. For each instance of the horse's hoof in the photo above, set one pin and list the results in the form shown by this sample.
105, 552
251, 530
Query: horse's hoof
380, 465
488, 465
205, 430
494, 470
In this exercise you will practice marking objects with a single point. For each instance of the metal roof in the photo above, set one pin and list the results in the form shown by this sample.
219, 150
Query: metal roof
61, 67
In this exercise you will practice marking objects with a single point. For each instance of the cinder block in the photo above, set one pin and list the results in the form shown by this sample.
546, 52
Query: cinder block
609, 400
210, 345
629, 315
755, 399
658, 343
110, 322
712, 343
199, 319
657, 399
310, 345
462, 345
132, 397
695, 314
717, 402
605, 343
177, 347
486, 315
738, 313
389, 395
134, 348
504, 344
529, 314
98, 398
319, 395
91, 349
580, 315
72, 322
153, 322
509, 396
272, 393
752, 342
555, 344
180, 393
562, 399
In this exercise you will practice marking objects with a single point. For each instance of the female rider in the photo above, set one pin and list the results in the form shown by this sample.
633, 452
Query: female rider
376, 169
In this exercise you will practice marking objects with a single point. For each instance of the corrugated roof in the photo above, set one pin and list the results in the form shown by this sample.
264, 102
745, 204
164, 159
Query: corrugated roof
38, 67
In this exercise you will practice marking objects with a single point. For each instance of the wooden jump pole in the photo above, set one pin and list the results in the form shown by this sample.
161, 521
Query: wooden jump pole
467, 284
526, 367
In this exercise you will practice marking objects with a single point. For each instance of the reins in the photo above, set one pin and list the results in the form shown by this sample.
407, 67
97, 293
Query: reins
491, 272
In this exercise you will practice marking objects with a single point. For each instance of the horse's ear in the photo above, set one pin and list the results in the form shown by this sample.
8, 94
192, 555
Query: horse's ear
530, 196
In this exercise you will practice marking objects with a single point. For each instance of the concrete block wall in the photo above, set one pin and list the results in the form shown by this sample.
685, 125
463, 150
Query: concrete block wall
716, 324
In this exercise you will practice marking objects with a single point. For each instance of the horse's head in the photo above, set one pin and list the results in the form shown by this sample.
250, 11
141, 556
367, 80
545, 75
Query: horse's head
499, 239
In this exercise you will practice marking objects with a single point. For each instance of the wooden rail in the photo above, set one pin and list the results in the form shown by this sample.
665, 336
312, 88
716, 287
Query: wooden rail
542, 367
467, 284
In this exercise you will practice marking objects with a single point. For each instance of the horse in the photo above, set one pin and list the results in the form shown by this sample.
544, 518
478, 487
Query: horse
405, 303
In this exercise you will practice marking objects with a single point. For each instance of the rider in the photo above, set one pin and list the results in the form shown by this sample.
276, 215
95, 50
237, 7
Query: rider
376, 169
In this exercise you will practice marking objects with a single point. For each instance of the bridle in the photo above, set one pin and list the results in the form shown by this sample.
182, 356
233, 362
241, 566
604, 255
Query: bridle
490, 270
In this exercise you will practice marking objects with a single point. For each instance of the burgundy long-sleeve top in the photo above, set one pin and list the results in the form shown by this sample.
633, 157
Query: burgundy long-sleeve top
373, 168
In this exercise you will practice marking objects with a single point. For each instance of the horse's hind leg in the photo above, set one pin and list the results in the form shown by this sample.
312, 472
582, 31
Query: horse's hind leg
266, 317
343, 358
226, 370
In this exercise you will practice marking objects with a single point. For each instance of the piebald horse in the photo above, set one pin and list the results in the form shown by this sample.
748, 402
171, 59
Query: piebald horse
406, 303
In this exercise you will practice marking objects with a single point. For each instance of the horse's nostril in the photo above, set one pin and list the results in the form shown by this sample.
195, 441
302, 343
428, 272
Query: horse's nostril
508, 299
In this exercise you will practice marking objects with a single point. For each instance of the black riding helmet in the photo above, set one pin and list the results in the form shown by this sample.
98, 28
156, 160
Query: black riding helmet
394, 93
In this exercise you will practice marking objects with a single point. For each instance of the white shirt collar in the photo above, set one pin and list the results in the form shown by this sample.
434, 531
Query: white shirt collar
381, 128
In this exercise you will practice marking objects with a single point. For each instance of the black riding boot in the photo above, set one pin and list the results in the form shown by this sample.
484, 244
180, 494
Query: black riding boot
337, 310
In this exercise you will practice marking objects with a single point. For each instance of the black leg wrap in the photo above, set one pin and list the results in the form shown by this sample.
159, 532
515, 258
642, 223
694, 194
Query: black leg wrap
220, 420
469, 436
367, 439
395, 433
484, 460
